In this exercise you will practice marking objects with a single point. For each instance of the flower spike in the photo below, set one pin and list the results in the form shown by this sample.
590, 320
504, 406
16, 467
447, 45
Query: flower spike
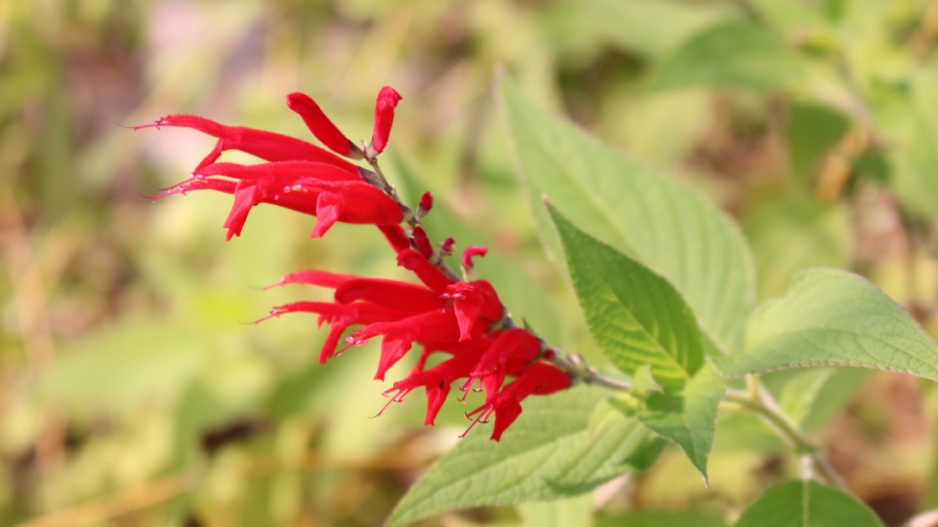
437, 312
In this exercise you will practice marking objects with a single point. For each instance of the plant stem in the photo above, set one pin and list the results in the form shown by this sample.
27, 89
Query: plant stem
757, 399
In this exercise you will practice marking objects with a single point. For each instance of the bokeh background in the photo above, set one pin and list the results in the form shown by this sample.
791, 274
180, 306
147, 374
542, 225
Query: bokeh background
134, 389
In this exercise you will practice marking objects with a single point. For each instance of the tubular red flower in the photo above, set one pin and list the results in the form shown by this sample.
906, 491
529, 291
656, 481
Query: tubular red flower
317, 189
339, 317
314, 277
512, 350
320, 125
540, 378
269, 146
437, 327
384, 117
473, 301
436, 382
402, 296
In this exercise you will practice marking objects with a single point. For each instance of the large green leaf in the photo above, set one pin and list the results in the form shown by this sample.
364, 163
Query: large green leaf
807, 504
732, 54
549, 452
835, 318
688, 418
657, 220
635, 315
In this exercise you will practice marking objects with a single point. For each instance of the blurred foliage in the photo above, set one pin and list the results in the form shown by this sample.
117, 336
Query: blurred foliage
133, 393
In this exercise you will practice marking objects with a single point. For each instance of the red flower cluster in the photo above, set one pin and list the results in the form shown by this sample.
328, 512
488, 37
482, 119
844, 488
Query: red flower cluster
464, 320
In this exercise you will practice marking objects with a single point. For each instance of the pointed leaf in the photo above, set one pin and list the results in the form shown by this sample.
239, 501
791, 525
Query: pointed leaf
657, 220
835, 318
687, 418
548, 453
807, 504
635, 315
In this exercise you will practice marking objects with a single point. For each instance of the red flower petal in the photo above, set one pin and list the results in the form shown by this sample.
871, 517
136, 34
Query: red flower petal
471, 252
320, 125
472, 301
245, 197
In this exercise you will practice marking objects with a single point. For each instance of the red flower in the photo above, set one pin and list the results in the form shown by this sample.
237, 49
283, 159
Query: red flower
540, 378
268, 146
510, 353
314, 188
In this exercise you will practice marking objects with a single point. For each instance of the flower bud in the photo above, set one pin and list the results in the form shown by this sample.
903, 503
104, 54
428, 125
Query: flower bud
384, 118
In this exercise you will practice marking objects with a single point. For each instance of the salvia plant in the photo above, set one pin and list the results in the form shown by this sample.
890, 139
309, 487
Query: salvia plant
665, 282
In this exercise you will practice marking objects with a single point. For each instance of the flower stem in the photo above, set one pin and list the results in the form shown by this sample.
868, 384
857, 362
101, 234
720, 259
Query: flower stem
757, 399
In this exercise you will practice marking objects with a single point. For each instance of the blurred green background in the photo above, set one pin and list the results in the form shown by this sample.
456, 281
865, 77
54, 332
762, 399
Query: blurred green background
135, 391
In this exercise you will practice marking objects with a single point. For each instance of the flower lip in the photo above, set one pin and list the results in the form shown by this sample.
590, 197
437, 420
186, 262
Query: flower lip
471, 252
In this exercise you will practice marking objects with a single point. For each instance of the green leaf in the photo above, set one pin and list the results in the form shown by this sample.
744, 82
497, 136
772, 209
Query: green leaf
732, 55
548, 453
635, 315
835, 318
807, 504
688, 418
659, 221
570, 512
